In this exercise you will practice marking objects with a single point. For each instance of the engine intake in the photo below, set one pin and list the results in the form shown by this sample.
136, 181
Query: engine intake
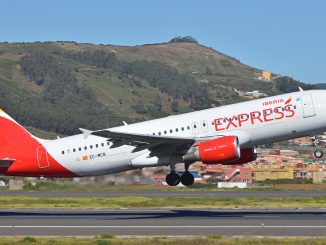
220, 150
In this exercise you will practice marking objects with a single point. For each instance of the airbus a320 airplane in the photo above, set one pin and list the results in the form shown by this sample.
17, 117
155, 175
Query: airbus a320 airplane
224, 135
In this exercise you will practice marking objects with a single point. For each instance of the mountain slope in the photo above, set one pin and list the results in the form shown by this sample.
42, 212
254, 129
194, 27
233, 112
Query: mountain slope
61, 86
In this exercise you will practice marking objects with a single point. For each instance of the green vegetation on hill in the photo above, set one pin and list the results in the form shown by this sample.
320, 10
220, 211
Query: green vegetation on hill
287, 85
186, 39
158, 75
61, 86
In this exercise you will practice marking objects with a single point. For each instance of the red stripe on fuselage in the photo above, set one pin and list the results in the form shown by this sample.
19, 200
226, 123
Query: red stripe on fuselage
17, 143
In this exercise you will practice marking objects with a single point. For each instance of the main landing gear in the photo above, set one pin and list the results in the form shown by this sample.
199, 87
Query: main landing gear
174, 179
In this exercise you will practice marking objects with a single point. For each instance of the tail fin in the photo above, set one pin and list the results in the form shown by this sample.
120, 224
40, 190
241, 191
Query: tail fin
11, 132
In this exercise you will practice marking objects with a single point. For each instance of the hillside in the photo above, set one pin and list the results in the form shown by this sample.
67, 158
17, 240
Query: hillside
61, 86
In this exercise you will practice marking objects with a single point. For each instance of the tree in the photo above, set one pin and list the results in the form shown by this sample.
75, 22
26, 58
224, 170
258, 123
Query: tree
287, 84
174, 106
208, 71
185, 39
141, 108
158, 103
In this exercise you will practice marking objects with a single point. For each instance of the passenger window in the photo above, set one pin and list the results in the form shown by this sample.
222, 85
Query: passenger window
159, 133
188, 127
102, 144
171, 131
79, 148
176, 130
165, 132
85, 147
182, 128
91, 146
96, 145
63, 152
74, 150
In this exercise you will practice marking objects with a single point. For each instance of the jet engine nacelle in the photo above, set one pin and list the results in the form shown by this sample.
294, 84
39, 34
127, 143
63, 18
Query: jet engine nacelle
220, 150
246, 155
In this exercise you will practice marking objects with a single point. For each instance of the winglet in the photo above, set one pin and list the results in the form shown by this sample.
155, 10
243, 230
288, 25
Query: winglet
86, 132
300, 89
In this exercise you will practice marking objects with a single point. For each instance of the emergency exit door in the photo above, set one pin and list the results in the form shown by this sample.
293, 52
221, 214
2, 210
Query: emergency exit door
308, 106
42, 157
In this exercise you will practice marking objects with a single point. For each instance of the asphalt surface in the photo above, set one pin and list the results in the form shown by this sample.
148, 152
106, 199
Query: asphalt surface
262, 194
163, 222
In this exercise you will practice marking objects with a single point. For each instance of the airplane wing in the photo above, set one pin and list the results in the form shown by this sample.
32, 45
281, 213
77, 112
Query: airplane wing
137, 139
156, 143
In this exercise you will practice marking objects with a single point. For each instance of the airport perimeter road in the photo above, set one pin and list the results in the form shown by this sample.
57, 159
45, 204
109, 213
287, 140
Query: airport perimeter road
222, 193
162, 222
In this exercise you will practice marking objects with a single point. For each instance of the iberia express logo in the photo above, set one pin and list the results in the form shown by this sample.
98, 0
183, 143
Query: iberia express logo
277, 101
288, 101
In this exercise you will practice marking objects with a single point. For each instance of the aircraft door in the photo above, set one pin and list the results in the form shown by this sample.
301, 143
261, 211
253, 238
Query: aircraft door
42, 157
307, 106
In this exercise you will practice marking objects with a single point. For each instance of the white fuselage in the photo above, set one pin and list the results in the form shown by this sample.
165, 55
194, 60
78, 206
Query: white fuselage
254, 122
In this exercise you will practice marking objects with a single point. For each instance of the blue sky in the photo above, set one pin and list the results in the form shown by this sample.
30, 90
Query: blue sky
284, 36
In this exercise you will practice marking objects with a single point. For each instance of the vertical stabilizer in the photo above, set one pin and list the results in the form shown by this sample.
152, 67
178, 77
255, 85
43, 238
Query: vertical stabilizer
12, 134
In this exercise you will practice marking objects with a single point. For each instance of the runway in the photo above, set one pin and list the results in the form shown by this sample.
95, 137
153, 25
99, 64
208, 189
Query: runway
163, 222
193, 193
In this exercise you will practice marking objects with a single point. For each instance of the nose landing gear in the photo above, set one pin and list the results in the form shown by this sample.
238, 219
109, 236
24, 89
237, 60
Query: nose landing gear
318, 153
317, 142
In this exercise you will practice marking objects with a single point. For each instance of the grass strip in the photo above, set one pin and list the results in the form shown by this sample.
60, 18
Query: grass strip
160, 202
69, 186
103, 240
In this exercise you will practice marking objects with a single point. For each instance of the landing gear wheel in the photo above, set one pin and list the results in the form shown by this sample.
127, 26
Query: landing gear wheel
172, 179
187, 179
318, 153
